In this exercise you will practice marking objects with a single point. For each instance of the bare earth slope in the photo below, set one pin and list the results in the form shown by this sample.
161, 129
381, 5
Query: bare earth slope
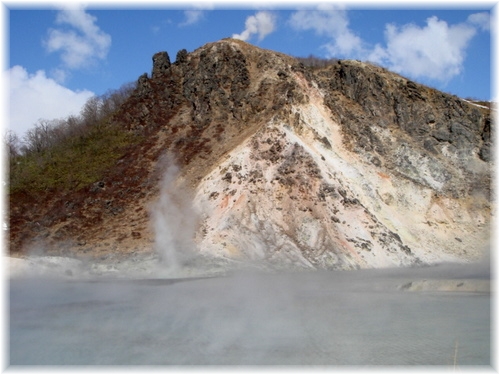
349, 166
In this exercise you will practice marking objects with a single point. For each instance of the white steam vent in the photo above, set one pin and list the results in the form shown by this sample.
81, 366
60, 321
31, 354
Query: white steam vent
174, 222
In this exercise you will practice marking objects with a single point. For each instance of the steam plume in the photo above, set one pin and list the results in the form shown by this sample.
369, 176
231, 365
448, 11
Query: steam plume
174, 222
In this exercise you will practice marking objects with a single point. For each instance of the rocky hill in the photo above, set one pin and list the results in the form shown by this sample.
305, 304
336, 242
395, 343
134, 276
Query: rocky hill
248, 155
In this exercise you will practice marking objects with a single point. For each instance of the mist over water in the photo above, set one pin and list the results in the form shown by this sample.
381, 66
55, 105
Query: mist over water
250, 318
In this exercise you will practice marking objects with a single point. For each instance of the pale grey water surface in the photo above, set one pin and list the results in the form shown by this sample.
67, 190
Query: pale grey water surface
308, 318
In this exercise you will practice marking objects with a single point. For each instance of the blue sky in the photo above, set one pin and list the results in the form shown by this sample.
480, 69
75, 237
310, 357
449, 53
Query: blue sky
56, 58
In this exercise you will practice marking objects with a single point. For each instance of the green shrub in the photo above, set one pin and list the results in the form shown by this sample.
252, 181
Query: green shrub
72, 164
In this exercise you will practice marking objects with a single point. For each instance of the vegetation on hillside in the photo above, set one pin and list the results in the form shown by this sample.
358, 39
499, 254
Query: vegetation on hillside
316, 62
70, 153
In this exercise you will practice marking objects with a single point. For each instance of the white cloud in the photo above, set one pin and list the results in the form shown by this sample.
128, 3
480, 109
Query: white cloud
81, 45
59, 75
481, 20
332, 22
436, 51
192, 17
262, 23
195, 15
34, 97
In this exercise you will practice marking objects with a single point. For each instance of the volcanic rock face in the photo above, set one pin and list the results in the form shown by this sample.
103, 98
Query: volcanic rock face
348, 166
161, 64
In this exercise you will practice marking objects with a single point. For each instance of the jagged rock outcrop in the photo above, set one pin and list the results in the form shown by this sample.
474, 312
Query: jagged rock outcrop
341, 167
161, 64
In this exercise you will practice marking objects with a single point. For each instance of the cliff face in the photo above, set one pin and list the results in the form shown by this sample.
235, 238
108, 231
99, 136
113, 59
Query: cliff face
348, 166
